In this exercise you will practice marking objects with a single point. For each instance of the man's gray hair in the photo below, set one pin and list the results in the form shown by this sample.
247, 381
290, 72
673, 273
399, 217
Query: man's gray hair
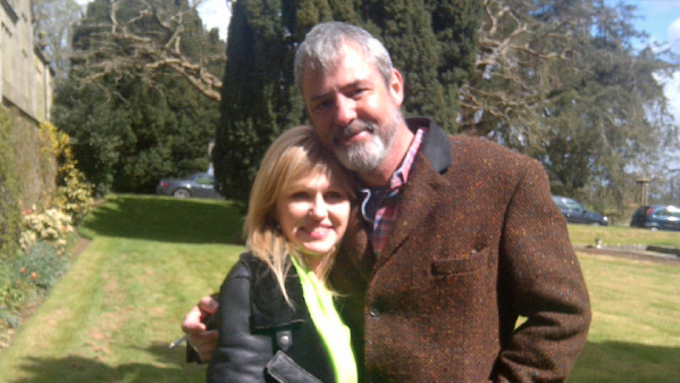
322, 49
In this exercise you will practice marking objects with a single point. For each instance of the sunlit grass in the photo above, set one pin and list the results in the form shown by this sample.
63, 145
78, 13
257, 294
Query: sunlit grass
622, 235
111, 318
635, 333
114, 314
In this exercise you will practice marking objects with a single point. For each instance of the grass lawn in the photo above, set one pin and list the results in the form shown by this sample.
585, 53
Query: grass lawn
635, 332
112, 316
622, 235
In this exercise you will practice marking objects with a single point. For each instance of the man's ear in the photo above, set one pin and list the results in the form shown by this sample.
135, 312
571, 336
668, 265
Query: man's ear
396, 88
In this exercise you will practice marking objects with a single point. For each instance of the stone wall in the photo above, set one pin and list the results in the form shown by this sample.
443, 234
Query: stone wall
26, 82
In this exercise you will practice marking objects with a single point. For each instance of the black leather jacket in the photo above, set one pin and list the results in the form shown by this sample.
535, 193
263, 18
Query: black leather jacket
262, 338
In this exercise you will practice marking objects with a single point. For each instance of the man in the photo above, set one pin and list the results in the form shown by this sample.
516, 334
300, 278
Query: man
459, 236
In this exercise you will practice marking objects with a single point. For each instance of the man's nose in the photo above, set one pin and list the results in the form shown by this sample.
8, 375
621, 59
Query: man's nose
346, 111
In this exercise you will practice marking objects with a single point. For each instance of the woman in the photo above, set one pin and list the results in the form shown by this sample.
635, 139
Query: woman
277, 322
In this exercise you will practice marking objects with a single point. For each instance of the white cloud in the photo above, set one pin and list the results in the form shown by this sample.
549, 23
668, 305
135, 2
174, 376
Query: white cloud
672, 91
674, 35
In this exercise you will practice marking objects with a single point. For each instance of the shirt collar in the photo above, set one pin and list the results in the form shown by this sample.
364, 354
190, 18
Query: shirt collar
373, 196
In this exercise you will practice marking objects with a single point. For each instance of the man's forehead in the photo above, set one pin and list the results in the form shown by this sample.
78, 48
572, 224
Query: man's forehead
335, 59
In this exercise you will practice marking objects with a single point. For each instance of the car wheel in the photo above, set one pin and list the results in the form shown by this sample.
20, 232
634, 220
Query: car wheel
596, 224
654, 228
181, 193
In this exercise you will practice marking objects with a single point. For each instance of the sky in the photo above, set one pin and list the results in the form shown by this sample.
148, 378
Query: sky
661, 20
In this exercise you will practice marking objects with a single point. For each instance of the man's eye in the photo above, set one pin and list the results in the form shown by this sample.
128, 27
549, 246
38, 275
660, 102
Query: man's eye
358, 93
323, 105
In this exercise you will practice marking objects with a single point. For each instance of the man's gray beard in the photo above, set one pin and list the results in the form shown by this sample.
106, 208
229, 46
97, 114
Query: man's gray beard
367, 157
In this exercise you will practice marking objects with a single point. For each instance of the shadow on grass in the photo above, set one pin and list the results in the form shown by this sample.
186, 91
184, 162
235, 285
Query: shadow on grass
623, 362
170, 367
166, 220
603, 363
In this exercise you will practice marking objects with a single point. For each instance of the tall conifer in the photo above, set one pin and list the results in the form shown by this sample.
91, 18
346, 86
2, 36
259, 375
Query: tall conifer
259, 98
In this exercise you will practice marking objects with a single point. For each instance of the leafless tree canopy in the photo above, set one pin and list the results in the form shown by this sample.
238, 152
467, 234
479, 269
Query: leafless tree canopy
123, 42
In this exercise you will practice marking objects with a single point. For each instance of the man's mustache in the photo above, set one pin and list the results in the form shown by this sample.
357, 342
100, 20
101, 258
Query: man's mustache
353, 128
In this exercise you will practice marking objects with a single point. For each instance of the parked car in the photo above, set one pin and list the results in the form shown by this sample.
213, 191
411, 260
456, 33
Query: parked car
574, 212
199, 185
657, 217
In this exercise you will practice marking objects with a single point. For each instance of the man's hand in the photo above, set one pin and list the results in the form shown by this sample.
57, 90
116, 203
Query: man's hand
200, 338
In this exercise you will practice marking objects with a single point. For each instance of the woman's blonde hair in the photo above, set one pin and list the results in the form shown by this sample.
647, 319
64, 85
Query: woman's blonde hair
295, 155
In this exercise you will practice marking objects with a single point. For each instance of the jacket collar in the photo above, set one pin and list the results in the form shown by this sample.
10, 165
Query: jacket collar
269, 307
436, 147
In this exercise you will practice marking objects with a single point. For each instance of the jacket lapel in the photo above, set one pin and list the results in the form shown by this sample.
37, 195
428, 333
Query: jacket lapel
415, 205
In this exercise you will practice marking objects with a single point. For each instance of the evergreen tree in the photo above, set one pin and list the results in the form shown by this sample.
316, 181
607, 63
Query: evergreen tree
259, 98
455, 25
131, 126
407, 34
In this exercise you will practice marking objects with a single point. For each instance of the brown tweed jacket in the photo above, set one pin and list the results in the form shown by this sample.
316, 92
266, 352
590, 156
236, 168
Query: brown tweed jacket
477, 244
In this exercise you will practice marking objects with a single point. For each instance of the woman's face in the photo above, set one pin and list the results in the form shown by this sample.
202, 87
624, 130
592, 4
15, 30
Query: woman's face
313, 214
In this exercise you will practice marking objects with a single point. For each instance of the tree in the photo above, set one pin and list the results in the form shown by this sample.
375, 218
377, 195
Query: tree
53, 22
132, 125
259, 98
147, 37
561, 82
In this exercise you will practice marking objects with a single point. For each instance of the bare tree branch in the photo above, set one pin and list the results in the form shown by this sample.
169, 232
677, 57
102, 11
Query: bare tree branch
118, 47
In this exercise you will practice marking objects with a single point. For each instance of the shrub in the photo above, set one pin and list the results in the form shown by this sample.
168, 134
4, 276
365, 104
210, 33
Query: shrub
10, 212
31, 275
52, 227
74, 193
41, 268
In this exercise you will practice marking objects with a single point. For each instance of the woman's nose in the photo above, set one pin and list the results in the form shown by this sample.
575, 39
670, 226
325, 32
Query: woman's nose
319, 208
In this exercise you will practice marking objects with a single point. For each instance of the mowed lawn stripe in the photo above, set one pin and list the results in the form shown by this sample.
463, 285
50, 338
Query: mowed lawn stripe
113, 315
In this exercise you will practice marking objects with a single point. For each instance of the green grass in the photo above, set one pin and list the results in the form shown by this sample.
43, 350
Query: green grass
112, 316
622, 235
635, 333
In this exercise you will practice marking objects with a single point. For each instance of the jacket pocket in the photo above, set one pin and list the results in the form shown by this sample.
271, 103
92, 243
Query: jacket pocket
284, 370
475, 260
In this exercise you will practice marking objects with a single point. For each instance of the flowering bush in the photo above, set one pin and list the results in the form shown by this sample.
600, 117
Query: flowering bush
74, 193
51, 227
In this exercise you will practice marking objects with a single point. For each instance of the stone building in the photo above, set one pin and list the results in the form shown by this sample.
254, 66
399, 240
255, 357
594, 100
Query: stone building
26, 75
26, 84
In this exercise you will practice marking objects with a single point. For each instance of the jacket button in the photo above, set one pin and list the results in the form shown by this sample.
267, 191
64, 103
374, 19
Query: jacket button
284, 340
374, 312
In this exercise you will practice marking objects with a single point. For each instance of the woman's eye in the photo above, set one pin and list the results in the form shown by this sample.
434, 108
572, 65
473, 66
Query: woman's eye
299, 195
335, 196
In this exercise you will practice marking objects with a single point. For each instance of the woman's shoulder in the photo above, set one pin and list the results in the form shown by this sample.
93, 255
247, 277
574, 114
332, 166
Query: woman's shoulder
254, 266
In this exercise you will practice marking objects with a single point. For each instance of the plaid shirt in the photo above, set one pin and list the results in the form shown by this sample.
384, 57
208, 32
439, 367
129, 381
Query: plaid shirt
380, 204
